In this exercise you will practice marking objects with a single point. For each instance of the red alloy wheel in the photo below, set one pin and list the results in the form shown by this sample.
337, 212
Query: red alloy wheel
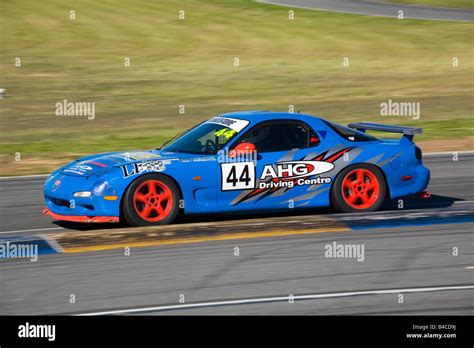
153, 200
360, 188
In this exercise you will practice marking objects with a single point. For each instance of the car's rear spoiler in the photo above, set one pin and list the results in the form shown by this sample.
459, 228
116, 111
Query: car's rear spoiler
408, 132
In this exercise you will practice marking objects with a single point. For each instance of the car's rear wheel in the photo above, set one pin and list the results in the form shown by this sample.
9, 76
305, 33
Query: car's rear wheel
152, 199
359, 188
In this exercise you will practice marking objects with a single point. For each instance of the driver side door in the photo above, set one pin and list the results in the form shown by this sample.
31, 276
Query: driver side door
267, 178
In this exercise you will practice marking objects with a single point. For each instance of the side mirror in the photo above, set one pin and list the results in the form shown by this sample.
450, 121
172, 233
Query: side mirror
242, 149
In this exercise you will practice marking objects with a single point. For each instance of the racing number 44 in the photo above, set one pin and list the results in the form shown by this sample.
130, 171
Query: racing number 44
238, 176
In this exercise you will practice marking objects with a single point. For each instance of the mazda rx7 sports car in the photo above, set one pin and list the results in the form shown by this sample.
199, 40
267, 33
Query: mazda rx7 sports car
243, 161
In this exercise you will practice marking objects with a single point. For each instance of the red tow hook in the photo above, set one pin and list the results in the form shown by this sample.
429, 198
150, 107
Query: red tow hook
424, 194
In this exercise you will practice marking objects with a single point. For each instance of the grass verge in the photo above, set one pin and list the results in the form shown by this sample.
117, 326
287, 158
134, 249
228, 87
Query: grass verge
190, 62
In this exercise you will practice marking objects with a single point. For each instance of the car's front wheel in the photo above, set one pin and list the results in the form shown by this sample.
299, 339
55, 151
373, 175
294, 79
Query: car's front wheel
152, 199
359, 188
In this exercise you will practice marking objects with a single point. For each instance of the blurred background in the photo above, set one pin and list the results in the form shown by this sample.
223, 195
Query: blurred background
155, 68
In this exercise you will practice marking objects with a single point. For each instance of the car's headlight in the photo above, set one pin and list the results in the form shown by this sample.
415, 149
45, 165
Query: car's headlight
82, 194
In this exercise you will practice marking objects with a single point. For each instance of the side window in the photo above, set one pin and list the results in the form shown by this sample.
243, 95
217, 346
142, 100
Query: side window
280, 136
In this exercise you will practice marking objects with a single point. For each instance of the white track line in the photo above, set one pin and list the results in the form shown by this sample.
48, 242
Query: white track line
281, 298
33, 230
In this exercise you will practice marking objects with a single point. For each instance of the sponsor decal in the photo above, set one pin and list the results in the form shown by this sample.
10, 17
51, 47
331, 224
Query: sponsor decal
232, 123
115, 159
134, 156
102, 165
79, 168
288, 174
225, 133
103, 188
322, 133
198, 159
57, 183
140, 167
238, 176
295, 169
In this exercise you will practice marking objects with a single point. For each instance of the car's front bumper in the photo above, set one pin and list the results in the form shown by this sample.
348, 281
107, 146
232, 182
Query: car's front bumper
84, 218
61, 204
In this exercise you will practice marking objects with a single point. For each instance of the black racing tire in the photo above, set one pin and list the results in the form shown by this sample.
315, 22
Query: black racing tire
359, 188
151, 200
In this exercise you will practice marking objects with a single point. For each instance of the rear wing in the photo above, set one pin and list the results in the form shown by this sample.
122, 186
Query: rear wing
408, 132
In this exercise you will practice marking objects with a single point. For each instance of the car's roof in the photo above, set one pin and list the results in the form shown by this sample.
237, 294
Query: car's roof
263, 115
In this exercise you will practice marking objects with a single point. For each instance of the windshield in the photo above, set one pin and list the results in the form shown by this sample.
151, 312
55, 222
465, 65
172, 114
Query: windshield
208, 137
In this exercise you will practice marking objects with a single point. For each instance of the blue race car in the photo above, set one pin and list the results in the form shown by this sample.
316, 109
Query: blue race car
243, 161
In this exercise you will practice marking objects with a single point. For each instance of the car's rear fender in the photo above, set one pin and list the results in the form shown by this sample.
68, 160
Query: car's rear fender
405, 173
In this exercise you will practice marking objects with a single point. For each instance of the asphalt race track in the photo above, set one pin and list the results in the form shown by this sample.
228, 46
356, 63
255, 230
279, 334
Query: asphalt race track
401, 258
379, 9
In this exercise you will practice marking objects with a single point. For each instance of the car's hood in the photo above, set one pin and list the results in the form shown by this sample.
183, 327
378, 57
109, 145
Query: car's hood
90, 165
